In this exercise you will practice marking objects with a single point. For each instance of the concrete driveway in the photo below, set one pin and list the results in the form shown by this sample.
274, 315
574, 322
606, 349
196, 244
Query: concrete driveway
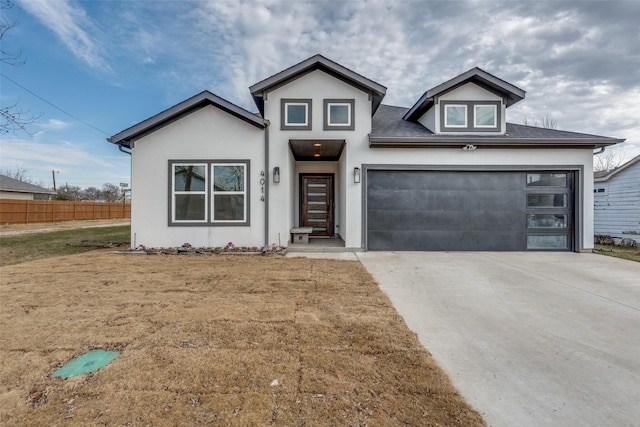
530, 339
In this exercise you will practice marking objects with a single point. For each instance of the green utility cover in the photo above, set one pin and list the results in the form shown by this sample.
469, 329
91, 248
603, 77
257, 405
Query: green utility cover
88, 362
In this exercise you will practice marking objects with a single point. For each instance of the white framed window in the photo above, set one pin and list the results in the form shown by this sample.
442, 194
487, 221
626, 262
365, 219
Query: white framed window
296, 114
485, 116
339, 114
213, 192
229, 196
455, 116
189, 192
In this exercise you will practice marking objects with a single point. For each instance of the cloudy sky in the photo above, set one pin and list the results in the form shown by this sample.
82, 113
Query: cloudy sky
94, 68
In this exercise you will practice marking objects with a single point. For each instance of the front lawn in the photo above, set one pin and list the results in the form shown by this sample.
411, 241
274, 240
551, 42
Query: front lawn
632, 254
213, 340
27, 247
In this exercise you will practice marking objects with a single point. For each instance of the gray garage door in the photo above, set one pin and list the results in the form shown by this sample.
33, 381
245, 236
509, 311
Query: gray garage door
469, 211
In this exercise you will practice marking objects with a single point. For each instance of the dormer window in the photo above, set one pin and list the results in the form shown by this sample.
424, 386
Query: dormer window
455, 116
295, 114
470, 116
338, 114
484, 116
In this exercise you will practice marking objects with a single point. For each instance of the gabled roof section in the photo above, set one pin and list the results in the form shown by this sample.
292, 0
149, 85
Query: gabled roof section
317, 62
17, 186
607, 175
390, 130
511, 93
180, 110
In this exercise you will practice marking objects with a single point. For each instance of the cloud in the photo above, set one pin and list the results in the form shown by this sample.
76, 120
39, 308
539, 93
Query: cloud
72, 25
54, 124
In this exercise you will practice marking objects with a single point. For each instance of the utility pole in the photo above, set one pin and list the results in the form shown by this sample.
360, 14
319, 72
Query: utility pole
53, 173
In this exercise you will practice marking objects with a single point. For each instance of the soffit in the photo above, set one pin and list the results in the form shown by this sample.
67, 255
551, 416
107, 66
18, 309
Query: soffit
317, 149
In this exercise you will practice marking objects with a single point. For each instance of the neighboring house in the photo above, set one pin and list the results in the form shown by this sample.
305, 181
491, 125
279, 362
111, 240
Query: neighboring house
448, 173
617, 201
14, 189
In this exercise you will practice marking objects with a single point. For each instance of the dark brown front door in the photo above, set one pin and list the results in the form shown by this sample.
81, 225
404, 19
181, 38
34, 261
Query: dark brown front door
316, 204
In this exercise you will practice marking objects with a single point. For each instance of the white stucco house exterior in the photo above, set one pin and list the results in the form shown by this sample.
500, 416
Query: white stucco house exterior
617, 201
323, 151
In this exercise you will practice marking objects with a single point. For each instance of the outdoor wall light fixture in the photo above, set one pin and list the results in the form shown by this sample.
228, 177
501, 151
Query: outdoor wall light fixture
356, 175
276, 175
469, 147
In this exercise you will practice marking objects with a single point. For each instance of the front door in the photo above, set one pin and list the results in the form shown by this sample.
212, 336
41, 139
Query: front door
316, 203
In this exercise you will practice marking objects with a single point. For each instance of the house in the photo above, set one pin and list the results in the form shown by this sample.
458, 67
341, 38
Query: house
617, 201
15, 189
323, 151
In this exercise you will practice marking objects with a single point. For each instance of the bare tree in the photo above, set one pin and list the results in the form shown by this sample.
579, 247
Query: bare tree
17, 173
12, 117
609, 160
546, 122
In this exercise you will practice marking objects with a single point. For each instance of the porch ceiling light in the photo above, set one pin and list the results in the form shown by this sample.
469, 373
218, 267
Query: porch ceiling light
276, 175
356, 175
317, 144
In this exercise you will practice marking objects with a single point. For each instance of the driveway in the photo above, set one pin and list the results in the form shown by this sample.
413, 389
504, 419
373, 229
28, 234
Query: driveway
530, 339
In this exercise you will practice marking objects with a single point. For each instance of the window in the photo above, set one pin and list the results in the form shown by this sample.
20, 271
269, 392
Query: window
546, 200
228, 192
189, 190
470, 116
455, 116
600, 190
296, 114
338, 114
209, 192
484, 116
546, 180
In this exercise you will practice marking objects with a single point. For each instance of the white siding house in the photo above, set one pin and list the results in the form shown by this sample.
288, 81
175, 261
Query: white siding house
324, 153
15, 189
617, 201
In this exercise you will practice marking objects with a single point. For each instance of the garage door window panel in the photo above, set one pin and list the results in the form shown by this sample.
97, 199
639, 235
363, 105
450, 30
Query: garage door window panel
546, 200
547, 180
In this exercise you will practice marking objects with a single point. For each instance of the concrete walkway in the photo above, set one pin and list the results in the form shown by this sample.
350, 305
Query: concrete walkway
530, 339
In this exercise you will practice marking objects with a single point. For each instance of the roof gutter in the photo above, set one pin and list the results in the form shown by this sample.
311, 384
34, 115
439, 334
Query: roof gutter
488, 142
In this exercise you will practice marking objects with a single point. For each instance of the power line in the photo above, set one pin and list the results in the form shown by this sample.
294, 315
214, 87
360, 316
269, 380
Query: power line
55, 106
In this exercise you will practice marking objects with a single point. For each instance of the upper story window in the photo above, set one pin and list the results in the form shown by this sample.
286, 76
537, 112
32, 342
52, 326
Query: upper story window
455, 116
470, 116
485, 116
295, 114
339, 114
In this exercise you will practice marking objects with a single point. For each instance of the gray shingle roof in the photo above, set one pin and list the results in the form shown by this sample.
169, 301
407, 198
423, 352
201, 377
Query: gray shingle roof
165, 117
10, 184
388, 125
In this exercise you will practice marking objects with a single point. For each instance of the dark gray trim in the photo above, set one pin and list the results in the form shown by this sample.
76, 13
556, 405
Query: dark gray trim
579, 180
481, 141
267, 171
471, 117
333, 196
511, 93
283, 104
317, 62
180, 110
209, 221
325, 114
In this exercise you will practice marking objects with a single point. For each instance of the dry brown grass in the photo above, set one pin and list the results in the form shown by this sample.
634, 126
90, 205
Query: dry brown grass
203, 339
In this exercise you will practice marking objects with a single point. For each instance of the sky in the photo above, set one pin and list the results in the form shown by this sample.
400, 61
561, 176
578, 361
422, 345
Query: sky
95, 68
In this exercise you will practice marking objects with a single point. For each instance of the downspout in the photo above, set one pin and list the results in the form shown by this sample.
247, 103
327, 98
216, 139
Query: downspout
121, 148
601, 151
266, 185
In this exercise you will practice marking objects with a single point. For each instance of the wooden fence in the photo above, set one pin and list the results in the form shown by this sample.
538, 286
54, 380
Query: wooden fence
27, 211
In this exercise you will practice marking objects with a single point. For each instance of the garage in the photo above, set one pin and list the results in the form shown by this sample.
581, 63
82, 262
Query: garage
452, 210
